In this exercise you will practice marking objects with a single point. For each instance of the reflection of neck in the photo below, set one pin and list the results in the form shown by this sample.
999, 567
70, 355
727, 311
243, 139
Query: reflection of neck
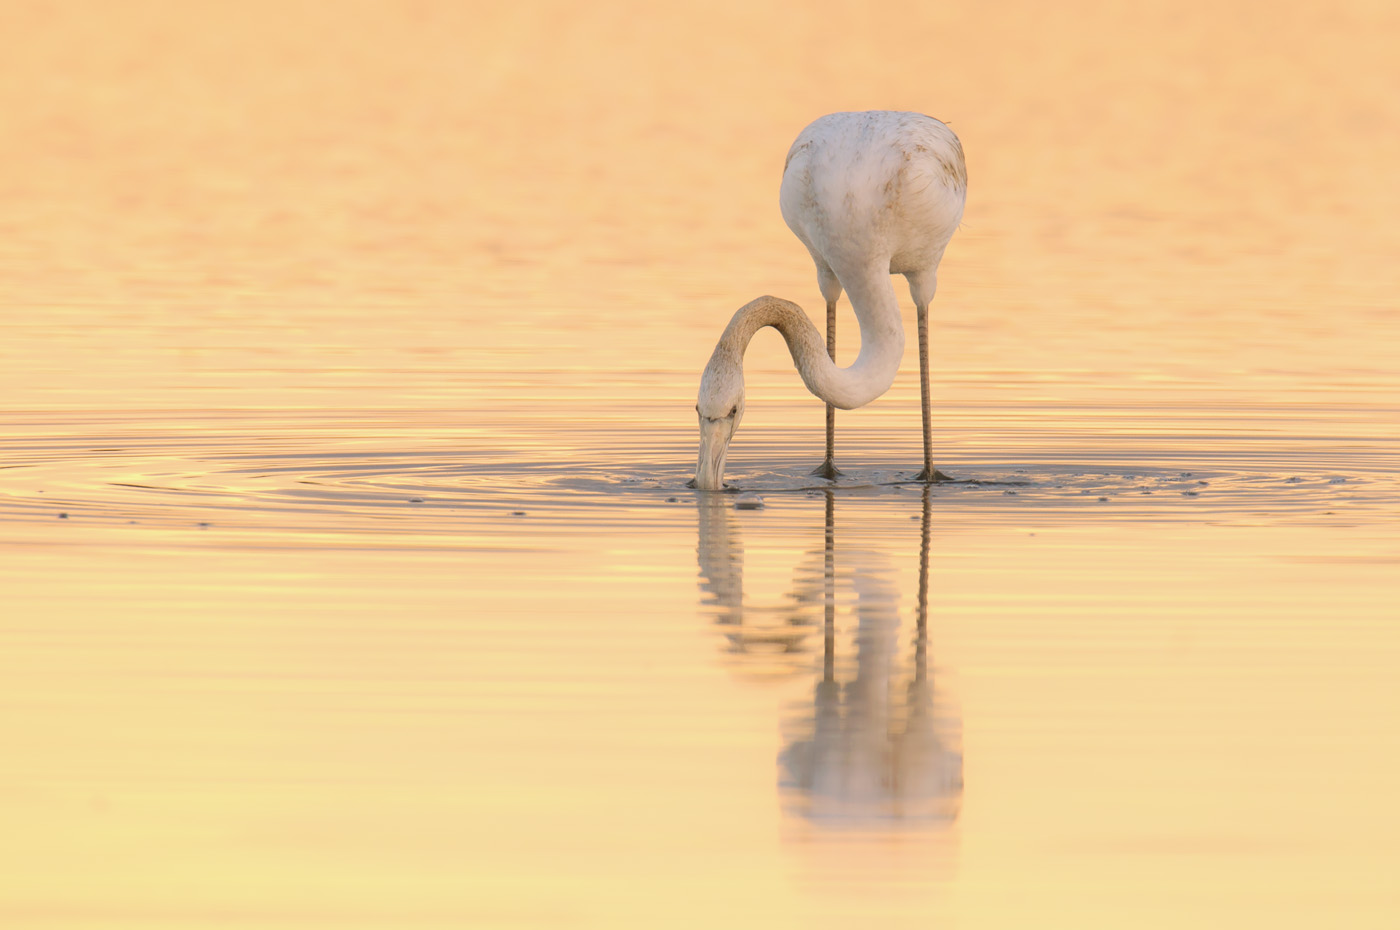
868, 697
869, 754
872, 373
721, 556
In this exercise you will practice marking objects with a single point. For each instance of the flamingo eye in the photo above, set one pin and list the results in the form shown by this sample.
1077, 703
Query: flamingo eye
734, 411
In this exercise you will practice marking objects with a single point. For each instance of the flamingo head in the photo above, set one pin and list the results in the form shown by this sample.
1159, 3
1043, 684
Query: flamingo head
720, 408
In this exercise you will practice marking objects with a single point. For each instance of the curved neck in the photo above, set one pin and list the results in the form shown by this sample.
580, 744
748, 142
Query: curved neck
881, 342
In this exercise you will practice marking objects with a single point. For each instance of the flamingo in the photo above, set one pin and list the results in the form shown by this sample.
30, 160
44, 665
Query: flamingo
870, 195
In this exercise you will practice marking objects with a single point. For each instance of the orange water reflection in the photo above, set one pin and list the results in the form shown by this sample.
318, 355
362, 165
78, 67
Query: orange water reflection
347, 355
869, 748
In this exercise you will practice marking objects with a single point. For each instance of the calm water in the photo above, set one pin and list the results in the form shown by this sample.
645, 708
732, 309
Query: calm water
349, 578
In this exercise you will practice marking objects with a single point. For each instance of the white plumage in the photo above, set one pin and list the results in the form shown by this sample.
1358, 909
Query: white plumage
870, 194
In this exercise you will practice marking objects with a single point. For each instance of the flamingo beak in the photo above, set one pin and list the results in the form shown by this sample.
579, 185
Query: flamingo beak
714, 447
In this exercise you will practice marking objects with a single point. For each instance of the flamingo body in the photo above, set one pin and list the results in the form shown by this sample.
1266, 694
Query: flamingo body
869, 194
879, 188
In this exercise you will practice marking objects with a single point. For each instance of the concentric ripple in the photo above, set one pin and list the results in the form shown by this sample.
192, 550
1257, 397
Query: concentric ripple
417, 474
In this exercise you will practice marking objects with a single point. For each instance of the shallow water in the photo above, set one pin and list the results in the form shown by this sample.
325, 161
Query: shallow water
347, 362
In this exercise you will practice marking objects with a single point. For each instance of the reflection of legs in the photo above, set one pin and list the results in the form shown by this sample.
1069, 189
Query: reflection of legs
929, 473
827, 469
829, 591
921, 634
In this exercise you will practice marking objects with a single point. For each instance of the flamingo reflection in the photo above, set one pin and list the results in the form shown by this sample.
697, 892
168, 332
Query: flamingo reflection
762, 639
874, 743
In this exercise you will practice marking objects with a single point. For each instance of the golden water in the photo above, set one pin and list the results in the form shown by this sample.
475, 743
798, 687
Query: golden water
347, 355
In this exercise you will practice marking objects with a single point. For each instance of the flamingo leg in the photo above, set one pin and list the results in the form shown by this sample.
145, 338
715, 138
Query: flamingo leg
929, 474
827, 469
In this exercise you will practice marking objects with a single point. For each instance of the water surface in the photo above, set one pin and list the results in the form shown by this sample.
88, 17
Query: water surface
350, 578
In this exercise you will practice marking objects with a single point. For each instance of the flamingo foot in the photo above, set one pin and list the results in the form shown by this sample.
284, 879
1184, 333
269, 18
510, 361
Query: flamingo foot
937, 477
827, 470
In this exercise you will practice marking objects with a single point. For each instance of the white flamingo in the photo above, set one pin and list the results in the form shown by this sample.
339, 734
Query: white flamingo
870, 195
